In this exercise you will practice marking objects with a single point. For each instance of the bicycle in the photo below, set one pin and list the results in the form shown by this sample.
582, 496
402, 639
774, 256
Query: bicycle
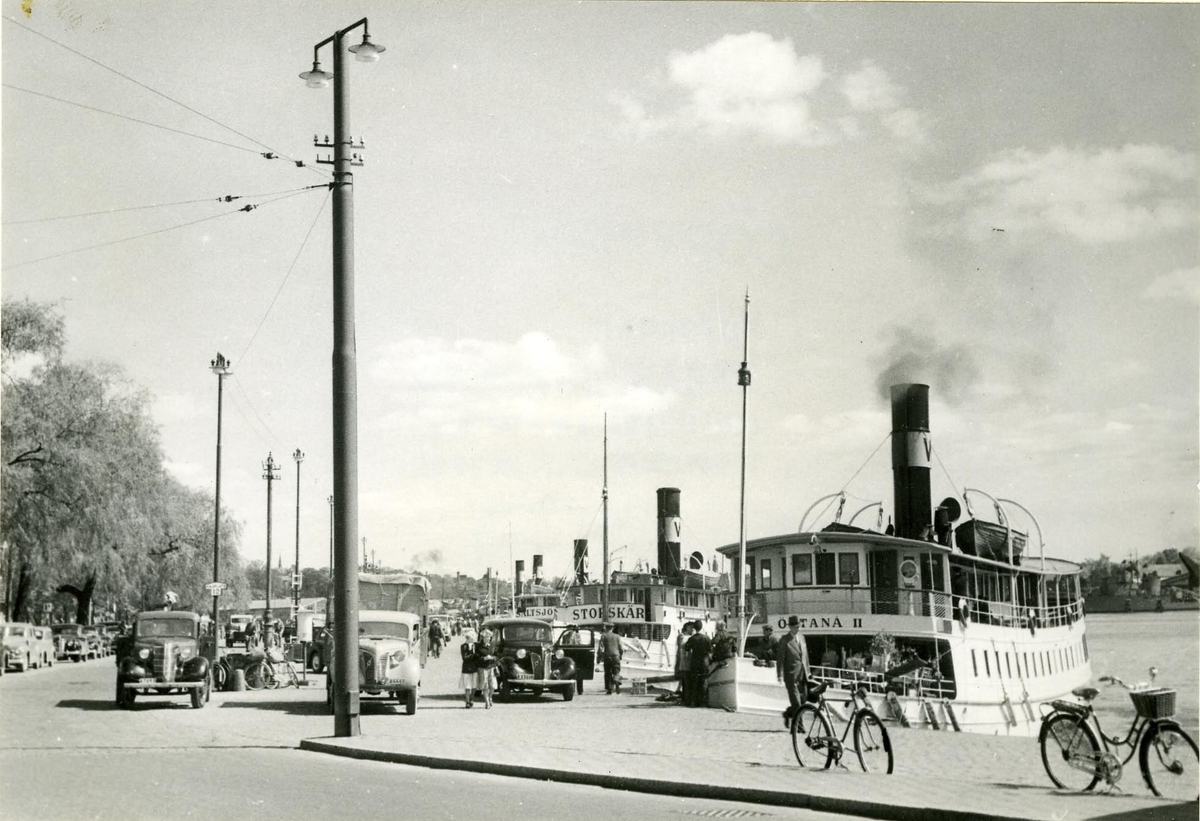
1167, 756
271, 675
812, 732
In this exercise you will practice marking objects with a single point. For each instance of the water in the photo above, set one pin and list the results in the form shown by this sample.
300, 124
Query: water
1126, 645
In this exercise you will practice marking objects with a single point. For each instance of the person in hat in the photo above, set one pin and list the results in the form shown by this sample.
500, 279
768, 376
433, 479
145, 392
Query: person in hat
699, 648
792, 667
611, 653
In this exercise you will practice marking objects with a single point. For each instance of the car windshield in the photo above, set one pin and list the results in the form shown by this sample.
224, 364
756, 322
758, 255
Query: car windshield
389, 629
65, 629
169, 628
527, 632
17, 631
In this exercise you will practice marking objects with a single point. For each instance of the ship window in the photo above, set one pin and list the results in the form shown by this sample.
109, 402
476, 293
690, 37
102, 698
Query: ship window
997, 654
1008, 664
848, 568
750, 574
826, 570
987, 665
802, 568
974, 664
764, 573
1085, 652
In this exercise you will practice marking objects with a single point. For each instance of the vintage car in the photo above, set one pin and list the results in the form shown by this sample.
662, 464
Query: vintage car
18, 646
69, 641
235, 629
529, 659
162, 657
97, 646
390, 657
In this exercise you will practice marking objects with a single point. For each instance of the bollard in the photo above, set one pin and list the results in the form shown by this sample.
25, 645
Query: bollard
238, 681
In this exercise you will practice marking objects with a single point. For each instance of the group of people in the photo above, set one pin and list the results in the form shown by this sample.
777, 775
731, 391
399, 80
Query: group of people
696, 656
478, 674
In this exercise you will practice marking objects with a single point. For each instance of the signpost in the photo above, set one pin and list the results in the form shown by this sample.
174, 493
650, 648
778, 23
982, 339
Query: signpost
214, 588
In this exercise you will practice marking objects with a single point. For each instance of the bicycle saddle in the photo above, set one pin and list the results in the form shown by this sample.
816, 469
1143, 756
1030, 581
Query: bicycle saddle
1085, 693
815, 690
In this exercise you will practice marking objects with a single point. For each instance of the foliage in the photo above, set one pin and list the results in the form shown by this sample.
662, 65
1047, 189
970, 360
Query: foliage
883, 644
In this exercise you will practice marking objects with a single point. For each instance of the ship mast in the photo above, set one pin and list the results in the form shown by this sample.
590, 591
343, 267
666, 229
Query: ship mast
604, 502
744, 381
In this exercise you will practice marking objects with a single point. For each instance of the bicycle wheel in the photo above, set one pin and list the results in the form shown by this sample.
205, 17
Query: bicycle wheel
272, 677
811, 736
872, 743
256, 676
1168, 758
1070, 752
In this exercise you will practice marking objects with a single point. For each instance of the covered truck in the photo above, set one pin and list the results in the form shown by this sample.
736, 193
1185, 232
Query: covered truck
392, 615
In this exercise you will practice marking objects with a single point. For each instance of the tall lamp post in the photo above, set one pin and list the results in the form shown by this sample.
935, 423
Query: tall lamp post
299, 457
222, 367
345, 410
271, 474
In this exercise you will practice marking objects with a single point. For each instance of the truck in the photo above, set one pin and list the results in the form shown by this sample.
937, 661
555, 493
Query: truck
393, 612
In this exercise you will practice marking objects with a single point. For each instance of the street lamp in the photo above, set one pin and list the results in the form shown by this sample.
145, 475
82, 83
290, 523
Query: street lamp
271, 474
299, 457
222, 367
345, 388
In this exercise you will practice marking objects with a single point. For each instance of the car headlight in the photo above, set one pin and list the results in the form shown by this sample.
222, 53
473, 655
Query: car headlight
144, 653
185, 653
558, 653
397, 657
521, 653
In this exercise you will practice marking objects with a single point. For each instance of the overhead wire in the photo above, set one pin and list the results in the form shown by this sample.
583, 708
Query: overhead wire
244, 208
223, 198
269, 439
167, 97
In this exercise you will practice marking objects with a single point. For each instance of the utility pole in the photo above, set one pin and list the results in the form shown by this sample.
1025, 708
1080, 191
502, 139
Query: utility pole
222, 367
604, 501
299, 457
271, 474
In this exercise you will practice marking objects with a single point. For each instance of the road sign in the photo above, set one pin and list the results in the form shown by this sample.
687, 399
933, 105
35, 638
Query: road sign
47, 607
297, 581
215, 588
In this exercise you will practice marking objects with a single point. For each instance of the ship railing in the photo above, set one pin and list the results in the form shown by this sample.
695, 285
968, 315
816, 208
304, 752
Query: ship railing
1005, 614
921, 683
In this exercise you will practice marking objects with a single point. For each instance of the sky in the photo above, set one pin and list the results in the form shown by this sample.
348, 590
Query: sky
561, 209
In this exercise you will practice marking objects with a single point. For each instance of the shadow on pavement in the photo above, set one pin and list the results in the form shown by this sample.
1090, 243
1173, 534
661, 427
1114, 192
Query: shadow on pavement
296, 708
1167, 812
88, 704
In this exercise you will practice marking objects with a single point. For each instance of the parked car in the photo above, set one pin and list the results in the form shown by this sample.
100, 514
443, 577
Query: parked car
162, 657
390, 657
235, 629
43, 643
70, 642
96, 645
530, 660
18, 646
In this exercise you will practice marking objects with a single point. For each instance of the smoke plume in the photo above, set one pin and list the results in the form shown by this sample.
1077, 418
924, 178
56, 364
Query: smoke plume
427, 559
914, 356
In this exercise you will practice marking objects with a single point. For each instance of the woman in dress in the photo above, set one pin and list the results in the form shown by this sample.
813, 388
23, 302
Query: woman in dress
485, 664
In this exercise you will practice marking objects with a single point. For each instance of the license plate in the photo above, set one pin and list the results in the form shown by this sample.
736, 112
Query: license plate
146, 681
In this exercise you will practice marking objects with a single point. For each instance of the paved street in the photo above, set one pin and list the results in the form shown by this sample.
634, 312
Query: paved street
67, 753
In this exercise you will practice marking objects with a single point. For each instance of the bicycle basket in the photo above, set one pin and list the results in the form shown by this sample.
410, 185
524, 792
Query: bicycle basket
1156, 703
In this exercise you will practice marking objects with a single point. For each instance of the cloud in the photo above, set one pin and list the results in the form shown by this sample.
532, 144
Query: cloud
1181, 284
477, 385
913, 356
740, 84
1110, 195
870, 91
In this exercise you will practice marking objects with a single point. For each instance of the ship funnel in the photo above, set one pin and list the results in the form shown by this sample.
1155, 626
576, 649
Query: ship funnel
580, 561
537, 567
669, 527
912, 455
518, 572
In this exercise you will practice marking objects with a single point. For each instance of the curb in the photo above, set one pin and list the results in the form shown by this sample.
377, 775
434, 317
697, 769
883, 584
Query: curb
777, 798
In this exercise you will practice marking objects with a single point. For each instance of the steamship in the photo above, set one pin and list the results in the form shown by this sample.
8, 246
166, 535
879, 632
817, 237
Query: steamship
647, 607
945, 626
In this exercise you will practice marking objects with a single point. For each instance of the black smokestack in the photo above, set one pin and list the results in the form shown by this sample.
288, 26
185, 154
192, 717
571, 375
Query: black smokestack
669, 527
517, 573
580, 563
912, 452
537, 567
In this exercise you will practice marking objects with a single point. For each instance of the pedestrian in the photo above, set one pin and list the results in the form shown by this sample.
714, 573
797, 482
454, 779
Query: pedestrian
436, 638
724, 645
681, 659
611, 652
469, 669
699, 649
793, 668
485, 665
770, 643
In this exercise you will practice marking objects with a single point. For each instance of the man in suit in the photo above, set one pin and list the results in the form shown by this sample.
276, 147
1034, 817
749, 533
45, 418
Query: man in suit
792, 667
611, 652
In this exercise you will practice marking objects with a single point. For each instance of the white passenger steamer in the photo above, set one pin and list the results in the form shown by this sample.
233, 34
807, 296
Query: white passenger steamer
953, 628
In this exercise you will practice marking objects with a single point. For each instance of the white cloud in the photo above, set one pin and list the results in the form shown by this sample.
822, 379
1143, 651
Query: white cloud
1110, 195
1181, 284
740, 84
870, 89
471, 385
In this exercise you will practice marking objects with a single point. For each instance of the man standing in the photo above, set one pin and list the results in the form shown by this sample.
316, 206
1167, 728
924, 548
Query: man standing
682, 666
610, 652
770, 643
699, 649
793, 668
